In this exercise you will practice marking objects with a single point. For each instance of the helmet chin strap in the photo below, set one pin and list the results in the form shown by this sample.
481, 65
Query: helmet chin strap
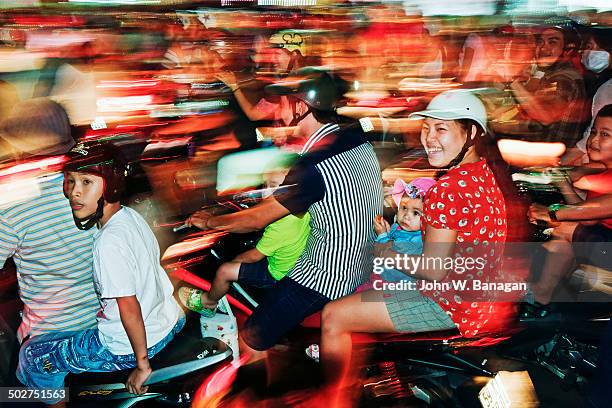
296, 117
87, 222
469, 142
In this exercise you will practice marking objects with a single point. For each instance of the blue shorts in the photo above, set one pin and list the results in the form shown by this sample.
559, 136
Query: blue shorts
284, 307
45, 360
256, 274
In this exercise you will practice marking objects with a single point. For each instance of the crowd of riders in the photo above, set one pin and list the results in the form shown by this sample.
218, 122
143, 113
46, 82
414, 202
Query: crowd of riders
94, 295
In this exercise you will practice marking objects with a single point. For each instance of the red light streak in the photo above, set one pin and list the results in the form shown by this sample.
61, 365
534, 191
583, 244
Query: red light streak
185, 275
33, 165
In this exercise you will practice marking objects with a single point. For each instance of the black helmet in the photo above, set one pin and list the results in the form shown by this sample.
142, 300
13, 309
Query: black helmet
318, 88
100, 159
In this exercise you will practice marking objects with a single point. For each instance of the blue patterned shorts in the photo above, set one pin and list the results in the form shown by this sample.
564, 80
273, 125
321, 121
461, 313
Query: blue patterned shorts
45, 360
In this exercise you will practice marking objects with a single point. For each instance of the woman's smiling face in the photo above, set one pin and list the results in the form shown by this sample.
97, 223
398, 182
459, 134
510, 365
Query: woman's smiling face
442, 140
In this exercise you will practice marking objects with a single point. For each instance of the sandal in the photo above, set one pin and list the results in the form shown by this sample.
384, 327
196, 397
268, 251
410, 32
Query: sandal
312, 352
191, 298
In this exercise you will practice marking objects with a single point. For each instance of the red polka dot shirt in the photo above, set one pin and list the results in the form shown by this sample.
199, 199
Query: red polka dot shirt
467, 200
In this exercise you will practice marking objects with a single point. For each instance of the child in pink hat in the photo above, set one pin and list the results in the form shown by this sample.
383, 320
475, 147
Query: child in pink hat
405, 233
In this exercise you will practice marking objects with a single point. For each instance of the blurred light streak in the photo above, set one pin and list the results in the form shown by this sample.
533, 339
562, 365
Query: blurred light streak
283, 3
124, 103
192, 245
192, 279
127, 84
46, 163
204, 105
526, 154
118, 2
213, 389
425, 85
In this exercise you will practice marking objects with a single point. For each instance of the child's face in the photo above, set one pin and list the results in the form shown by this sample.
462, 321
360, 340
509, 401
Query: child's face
84, 190
274, 179
409, 213
599, 144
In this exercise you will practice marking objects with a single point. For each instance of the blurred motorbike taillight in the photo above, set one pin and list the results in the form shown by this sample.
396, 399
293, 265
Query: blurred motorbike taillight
192, 245
49, 164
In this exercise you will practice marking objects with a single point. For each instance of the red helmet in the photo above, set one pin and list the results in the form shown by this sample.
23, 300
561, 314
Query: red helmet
100, 159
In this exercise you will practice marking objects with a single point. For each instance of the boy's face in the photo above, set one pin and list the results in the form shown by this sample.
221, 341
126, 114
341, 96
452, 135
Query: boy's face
409, 213
84, 191
549, 47
599, 145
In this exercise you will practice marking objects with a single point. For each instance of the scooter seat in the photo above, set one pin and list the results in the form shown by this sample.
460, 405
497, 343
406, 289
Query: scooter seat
184, 348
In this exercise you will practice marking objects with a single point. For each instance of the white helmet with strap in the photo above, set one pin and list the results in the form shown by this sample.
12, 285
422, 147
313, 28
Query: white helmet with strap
453, 105
456, 105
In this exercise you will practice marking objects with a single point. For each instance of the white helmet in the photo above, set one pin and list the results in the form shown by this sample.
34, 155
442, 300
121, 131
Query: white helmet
455, 104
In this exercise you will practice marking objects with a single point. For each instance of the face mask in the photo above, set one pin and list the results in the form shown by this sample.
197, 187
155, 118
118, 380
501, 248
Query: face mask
596, 60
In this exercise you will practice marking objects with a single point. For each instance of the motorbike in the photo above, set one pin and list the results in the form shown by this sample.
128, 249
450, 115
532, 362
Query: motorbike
440, 369
430, 369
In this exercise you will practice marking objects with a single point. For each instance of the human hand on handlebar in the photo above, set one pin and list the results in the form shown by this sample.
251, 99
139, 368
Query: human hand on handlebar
199, 219
539, 212
136, 380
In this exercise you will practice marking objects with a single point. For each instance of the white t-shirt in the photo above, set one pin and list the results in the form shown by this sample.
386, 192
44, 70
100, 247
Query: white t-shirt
126, 263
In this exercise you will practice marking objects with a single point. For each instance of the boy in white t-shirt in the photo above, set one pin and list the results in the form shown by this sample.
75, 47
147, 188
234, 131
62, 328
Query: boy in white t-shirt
138, 314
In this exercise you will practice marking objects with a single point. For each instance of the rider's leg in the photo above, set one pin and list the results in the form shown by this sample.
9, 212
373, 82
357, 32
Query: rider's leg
45, 360
359, 312
252, 355
226, 274
558, 263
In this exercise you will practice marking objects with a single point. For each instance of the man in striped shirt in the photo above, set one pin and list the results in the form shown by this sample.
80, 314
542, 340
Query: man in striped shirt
338, 181
53, 257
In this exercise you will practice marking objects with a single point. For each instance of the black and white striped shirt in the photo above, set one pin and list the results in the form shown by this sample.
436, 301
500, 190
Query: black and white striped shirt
338, 181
